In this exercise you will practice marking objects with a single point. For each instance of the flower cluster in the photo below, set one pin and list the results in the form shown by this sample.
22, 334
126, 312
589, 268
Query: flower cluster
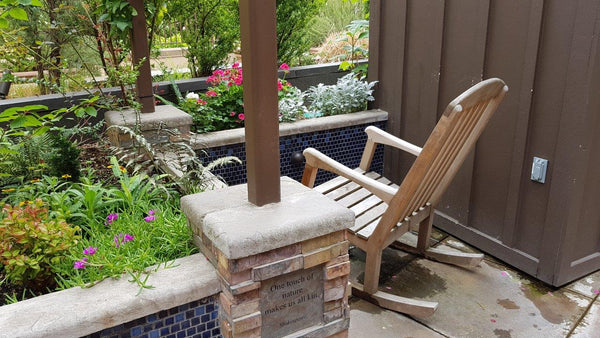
229, 77
121, 239
150, 216
221, 106
81, 264
111, 218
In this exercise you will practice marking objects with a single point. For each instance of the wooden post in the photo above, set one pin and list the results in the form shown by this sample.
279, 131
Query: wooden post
140, 50
259, 55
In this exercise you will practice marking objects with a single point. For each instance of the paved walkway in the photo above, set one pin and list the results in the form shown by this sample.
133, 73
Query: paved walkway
492, 300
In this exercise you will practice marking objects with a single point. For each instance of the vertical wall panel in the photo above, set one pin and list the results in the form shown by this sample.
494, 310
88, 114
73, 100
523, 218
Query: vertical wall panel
566, 198
511, 55
548, 100
422, 53
462, 61
390, 38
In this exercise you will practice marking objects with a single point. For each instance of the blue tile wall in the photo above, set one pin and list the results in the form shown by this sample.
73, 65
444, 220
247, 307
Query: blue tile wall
195, 319
344, 145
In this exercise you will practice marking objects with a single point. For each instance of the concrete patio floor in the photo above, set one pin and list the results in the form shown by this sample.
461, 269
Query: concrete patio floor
492, 300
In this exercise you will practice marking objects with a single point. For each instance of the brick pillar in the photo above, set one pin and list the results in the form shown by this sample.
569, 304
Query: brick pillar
283, 267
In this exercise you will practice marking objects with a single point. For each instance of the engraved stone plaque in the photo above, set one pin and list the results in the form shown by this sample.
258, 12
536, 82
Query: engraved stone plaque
291, 302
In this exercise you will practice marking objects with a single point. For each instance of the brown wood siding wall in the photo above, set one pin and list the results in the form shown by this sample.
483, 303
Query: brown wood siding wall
426, 52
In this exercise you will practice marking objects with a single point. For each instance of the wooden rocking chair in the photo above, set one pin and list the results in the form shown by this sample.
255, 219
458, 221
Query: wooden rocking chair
384, 211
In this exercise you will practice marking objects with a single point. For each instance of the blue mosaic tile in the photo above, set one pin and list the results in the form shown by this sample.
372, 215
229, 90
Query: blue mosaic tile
343, 144
179, 317
184, 321
136, 331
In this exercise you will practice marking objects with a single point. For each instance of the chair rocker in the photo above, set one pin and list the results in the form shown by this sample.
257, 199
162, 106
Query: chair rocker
385, 212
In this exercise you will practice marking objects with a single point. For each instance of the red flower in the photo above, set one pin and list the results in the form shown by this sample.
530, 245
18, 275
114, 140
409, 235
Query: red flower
242, 116
211, 93
279, 85
284, 66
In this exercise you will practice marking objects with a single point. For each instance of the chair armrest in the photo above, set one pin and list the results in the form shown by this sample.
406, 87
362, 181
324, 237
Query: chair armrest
377, 136
381, 137
316, 160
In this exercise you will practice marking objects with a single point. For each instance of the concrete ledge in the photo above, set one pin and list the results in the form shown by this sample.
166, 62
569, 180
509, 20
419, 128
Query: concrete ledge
233, 136
76, 312
165, 116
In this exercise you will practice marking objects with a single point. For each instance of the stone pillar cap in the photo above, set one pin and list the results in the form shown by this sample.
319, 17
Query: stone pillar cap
240, 229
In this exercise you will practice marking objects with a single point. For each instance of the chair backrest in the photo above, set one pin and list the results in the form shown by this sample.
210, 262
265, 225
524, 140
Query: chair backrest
452, 139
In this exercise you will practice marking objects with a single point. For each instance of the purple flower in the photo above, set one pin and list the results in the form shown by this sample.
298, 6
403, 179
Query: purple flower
111, 218
79, 265
90, 250
127, 238
151, 212
149, 218
121, 239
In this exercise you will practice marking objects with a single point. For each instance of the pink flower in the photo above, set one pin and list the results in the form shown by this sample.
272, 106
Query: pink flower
111, 218
232, 113
279, 85
116, 240
238, 80
284, 66
235, 65
90, 250
242, 116
151, 212
149, 218
211, 93
79, 265
218, 72
127, 238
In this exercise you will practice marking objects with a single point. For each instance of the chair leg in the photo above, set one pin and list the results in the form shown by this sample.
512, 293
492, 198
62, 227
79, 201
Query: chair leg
372, 270
424, 233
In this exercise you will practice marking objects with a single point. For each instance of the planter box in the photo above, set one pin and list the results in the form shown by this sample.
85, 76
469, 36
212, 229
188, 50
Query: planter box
341, 137
183, 301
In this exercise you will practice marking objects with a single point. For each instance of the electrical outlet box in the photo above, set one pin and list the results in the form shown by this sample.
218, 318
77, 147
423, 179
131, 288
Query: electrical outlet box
538, 170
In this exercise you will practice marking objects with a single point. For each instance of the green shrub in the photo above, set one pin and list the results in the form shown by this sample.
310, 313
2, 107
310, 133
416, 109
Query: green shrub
31, 243
64, 159
210, 33
293, 20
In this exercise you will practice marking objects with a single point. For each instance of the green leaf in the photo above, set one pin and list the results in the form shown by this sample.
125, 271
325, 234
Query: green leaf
25, 121
3, 23
41, 131
91, 111
18, 13
36, 3
122, 25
